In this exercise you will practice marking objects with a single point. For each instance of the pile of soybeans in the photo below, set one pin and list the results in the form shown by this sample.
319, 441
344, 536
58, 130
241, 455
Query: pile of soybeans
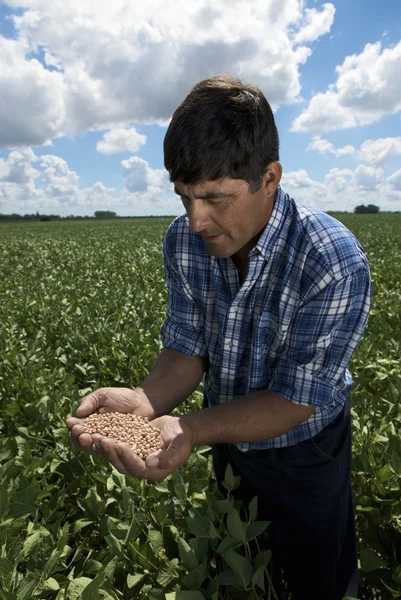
135, 431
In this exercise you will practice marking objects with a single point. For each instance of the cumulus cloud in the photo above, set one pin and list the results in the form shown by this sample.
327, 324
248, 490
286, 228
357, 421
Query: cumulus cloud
326, 147
121, 140
367, 88
49, 186
147, 190
32, 108
343, 189
30, 183
395, 180
368, 178
378, 151
316, 23
134, 62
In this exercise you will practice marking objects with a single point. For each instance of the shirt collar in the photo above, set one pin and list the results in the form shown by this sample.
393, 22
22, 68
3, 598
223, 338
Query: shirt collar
274, 225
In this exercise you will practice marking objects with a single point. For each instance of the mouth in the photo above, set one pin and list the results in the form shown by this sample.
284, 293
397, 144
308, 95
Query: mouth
212, 238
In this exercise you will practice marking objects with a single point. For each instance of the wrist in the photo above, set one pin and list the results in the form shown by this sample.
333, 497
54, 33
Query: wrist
190, 421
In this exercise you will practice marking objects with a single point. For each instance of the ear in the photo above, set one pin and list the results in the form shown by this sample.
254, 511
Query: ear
272, 177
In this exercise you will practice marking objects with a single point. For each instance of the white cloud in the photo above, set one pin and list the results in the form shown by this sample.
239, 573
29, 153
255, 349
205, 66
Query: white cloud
368, 178
315, 23
367, 88
395, 180
32, 107
131, 62
147, 190
137, 174
18, 168
326, 147
378, 151
52, 187
343, 189
121, 140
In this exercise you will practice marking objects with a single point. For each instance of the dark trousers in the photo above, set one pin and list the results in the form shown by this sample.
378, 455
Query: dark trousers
305, 491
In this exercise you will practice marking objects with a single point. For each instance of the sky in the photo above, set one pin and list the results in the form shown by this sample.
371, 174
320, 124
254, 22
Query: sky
87, 90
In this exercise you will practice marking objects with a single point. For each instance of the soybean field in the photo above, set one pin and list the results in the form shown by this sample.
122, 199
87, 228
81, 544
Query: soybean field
81, 307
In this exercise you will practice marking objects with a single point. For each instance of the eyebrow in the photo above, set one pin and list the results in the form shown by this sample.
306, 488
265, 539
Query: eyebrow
207, 196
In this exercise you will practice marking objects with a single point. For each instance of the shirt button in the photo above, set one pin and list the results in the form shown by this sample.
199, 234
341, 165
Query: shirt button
228, 344
234, 309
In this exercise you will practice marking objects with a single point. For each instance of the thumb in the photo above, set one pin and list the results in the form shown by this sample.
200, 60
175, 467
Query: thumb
171, 458
89, 404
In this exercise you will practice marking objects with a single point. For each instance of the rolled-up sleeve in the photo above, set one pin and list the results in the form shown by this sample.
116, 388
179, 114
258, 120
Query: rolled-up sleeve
321, 340
183, 328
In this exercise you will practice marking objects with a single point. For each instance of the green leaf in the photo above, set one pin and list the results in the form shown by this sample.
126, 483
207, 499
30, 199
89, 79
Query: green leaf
3, 501
258, 578
227, 577
236, 528
396, 462
34, 540
28, 495
255, 529
263, 559
51, 584
253, 508
133, 580
196, 577
370, 561
201, 527
241, 566
18, 510
185, 596
230, 482
7, 595
200, 547
187, 555
168, 573
90, 592
77, 587
26, 590
222, 507
110, 568
396, 576
132, 531
155, 539
80, 524
227, 543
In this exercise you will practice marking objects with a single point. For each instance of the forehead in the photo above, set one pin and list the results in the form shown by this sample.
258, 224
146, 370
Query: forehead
210, 189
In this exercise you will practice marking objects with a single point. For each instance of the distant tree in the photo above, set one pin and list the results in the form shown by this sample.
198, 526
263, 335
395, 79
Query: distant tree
369, 209
105, 214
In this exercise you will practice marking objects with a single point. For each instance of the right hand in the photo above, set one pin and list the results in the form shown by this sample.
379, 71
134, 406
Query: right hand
108, 399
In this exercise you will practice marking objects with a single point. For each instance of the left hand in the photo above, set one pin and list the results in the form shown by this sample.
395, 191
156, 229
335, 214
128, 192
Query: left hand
177, 443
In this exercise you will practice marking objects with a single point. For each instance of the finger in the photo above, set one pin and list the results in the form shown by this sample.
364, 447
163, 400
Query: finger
81, 438
89, 404
110, 453
133, 464
71, 421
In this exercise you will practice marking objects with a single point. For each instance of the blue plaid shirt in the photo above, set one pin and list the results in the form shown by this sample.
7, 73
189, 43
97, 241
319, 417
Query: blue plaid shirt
291, 327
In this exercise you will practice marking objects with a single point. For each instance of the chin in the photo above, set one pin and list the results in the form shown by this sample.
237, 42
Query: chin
220, 253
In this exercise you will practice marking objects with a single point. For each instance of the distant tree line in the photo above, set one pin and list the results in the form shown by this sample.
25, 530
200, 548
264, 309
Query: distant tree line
369, 209
99, 214
108, 214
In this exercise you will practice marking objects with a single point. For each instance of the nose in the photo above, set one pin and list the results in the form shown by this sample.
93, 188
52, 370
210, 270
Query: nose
197, 212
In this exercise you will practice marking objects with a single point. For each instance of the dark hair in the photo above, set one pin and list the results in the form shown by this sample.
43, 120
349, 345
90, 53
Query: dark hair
223, 128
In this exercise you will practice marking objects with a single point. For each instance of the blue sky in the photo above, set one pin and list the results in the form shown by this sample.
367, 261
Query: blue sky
88, 96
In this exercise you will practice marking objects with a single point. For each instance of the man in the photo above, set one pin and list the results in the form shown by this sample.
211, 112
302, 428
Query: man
267, 302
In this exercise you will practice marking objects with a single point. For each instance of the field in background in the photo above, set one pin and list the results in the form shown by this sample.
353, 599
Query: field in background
81, 306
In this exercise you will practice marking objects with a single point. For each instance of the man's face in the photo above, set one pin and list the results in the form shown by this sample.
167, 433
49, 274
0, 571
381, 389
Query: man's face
226, 214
